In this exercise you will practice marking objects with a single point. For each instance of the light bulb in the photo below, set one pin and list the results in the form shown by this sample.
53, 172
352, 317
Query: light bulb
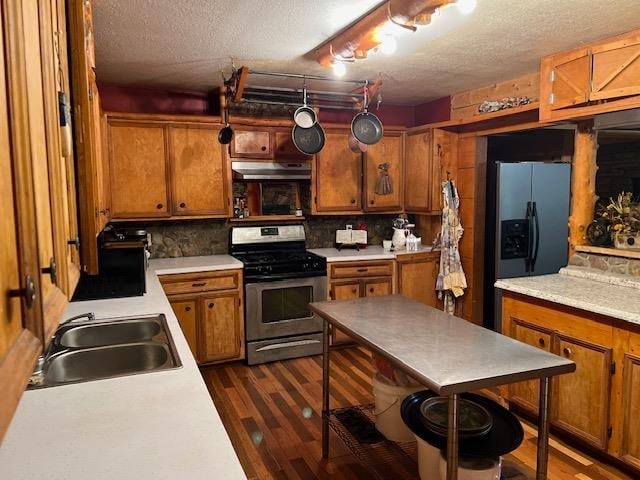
466, 6
389, 45
339, 69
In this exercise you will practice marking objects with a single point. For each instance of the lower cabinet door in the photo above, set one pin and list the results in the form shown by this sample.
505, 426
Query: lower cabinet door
377, 287
220, 330
525, 394
630, 440
581, 399
417, 278
185, 310
345, 290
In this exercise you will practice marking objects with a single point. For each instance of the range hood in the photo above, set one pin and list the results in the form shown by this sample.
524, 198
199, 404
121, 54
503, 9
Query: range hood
276, 170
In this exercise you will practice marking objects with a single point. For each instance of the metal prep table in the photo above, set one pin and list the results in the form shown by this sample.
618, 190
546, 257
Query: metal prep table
445, 353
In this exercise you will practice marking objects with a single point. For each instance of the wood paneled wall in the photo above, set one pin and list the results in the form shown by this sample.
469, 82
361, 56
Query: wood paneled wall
471, 183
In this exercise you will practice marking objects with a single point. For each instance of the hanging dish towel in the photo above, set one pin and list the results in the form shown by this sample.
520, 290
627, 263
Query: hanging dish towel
451, 279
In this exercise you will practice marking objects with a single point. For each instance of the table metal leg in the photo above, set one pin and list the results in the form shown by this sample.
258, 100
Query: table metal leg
543, 429
452, 438
325, 390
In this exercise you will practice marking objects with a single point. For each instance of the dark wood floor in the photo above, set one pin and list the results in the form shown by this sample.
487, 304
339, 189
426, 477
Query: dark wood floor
272, 415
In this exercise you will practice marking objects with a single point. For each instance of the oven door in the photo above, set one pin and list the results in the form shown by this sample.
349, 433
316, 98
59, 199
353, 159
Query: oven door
279, 309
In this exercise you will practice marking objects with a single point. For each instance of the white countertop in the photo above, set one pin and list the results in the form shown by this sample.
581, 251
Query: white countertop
160, 425
580, 290
372, 252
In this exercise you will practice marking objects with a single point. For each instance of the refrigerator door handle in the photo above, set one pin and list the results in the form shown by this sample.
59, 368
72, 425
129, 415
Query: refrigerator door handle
527, 260
534, 214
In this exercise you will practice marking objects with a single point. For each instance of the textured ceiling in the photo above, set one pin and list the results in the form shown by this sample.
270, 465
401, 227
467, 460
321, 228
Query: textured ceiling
185, 43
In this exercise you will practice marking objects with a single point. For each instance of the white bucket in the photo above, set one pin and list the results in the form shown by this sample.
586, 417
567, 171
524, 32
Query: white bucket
428, 460
388, 399
473, 468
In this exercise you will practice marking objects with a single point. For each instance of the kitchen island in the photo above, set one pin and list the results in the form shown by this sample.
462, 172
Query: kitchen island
160, 425
435, 348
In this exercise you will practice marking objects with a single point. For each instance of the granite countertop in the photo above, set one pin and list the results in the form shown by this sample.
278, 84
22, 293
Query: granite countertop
160, 425
584, 289
372, 252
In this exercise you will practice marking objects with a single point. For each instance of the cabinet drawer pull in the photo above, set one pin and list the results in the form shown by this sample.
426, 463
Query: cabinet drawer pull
211, 305
159, 206
567, 351
28, 292
263, 148
183, 205
362, 270
541, 342
199, 284
187, 309
353, 200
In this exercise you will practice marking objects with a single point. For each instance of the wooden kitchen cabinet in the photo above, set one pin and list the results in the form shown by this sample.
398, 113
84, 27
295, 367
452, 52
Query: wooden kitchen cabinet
581, 400
209, 308
600, 77
444, 160
627, 423
417, 171
526, 394
36, 279
167, 169
284, 148
349, 280
139, 170
220, 331
250, 142
94, 207
199, 173
185, 308
417, 274
337, 176
390, 149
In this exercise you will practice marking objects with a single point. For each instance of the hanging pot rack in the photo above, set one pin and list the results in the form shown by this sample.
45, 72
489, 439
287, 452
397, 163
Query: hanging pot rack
239, 90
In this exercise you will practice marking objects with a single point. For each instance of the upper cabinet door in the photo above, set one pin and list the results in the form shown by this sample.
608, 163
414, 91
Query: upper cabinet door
199, 174
444, 159
250, 143
138, 170
565, 79
284, 147
417, 168
616, 68
337, 183
389, 150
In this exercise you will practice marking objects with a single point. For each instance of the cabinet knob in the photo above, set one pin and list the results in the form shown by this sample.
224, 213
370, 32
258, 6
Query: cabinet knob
371, 290
541, 342
353, 200
28, 292
105, 211
372, 202
52, 270
183, 205
353, 291
187, 309
263, 148
567, 351
159, 206
211, 305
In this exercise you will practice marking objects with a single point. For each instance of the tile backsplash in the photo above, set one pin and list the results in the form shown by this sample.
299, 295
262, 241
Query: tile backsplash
208, 237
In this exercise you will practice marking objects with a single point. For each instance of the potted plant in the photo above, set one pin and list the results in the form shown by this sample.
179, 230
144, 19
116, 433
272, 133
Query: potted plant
623, 214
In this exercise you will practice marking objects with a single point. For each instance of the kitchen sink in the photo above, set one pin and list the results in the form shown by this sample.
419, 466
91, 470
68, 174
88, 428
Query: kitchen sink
109, 333
96, 349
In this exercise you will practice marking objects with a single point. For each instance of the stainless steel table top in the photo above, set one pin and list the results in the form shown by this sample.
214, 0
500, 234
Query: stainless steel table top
445, 353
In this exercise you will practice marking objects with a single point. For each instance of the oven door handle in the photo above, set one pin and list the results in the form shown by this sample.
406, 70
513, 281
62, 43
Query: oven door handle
277, 346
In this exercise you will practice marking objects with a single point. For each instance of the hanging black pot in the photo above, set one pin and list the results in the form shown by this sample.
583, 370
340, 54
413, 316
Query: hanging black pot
226, 134
308, 140
365, 126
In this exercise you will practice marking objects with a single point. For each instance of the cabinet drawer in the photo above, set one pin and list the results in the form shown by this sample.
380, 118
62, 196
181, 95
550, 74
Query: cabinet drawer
200, 282
356, 270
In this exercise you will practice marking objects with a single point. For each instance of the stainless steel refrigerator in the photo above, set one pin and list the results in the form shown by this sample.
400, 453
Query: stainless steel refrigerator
532, 211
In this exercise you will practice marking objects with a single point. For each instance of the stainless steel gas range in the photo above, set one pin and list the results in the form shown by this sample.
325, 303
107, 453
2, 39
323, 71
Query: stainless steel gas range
281, 279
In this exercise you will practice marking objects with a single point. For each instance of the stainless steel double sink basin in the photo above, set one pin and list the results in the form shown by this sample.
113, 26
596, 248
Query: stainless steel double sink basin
97, 349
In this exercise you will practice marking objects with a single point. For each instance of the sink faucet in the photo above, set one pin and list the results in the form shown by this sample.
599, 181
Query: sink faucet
90, 316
